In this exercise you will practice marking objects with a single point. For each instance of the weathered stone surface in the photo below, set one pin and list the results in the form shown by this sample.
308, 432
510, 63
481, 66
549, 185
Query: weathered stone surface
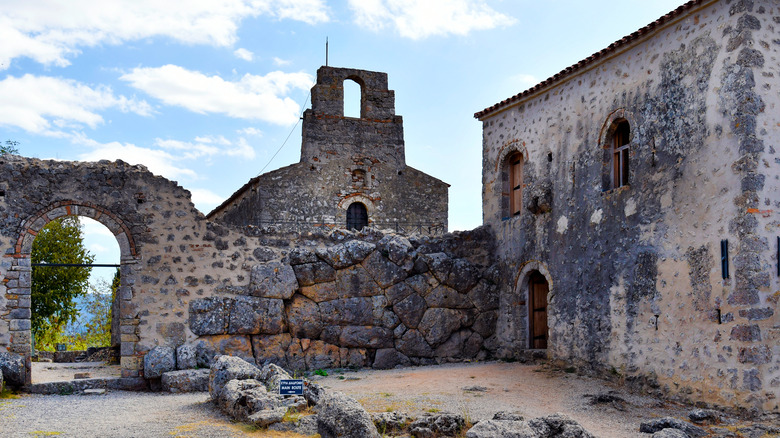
755, 354
306, 426
356, 311
232, 345
551, 426
308, 274
652, 426
273, 280
501, 429
186, 380
410, 310
345, 254
253, 315
423, 284
205, 353
12, 368
439, 265
670, 433
447, 297
322, 292
296, 359
271, 349
484, 296
398, 292
159, 360
321, 355
271, 375
705, 416
186, 357
355, 282
462, 276
390, 422
268, 417
438, 324
453, 347
227, 368
746, 332
303, 318
413, 344
208, 316
397, 249
353, 357
440, 424
341, 416
387, 358
485, 323
299, 256
383, 271
366, 337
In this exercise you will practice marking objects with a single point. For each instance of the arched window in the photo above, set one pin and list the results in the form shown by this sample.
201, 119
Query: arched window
620, 149
357, 216
512, 179
353, 97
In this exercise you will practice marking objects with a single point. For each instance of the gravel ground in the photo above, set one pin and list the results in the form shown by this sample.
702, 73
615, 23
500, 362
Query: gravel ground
477, 390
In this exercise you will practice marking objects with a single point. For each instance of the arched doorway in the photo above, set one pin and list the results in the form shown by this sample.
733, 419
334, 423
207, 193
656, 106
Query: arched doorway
357, 216
537, 308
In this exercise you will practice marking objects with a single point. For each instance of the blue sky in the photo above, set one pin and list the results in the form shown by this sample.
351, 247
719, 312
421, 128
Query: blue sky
205, 92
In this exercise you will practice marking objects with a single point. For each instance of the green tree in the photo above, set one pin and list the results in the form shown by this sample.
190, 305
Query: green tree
54, 289
9, 147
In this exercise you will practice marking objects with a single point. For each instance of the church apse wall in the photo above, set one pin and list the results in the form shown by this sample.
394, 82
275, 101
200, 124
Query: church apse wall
613, 188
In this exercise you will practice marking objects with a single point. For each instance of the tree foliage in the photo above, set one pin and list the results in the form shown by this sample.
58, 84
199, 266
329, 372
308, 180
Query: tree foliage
9, 147
54, 289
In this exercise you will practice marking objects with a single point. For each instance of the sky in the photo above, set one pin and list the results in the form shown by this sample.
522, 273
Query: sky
206, 92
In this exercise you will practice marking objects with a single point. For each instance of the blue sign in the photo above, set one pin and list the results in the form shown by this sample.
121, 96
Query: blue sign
291, 387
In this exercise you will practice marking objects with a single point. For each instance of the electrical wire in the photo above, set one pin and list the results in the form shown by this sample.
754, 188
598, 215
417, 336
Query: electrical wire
303, 108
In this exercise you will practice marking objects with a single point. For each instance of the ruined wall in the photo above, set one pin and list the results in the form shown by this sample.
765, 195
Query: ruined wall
344, 160
699, 95
379, 299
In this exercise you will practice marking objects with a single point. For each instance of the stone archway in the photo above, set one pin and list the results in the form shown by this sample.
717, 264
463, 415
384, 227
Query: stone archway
18, 279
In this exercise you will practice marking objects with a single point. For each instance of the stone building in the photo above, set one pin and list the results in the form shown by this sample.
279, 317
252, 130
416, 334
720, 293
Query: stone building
352, 171
634, 197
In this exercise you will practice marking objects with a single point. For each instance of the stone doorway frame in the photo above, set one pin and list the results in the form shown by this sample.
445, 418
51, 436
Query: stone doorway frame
18, 280
522, 290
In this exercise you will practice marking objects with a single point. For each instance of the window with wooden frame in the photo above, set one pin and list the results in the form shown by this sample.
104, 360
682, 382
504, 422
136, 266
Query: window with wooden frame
620, 151
512, 192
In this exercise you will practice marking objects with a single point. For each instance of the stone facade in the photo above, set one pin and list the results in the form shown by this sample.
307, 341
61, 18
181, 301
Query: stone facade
344, 160
633, 268
305, 300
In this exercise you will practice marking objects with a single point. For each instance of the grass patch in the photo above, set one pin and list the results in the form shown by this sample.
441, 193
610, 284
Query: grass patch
7, 393
44, 433
433, 410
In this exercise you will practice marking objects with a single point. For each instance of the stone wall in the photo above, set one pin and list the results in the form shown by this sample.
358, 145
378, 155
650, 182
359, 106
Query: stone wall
248, 291
344, 160
634, 272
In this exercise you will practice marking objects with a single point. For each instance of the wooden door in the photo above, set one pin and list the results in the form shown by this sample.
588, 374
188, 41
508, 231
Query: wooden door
537, 300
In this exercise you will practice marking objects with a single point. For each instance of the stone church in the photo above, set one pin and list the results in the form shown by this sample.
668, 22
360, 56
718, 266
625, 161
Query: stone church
352, 171
634, 197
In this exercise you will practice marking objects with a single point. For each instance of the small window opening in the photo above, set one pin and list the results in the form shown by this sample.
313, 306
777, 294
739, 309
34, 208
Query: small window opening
358, 177
512, 179
620, 149
352, 99
357, 216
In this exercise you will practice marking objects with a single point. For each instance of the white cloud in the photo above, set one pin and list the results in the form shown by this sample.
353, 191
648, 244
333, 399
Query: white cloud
281, 62
205, 199
51, 31
524, 81
209, 146
157, 161
418, 19
244, 54
252, 97
39, 103
251, 132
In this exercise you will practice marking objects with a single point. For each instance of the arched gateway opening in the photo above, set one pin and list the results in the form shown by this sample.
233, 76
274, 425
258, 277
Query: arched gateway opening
19, 277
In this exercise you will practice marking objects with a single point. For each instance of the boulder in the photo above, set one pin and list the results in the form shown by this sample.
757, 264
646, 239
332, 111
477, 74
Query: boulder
412, 343
309, 274
705, 416
501, 429
299, 256
438, 324
273, 280
227, 368
306, 426
343, 417
268, 417
230, 345
366, 337
303, 317
462, 276
186, 380
321, 355
383, 271
12, 368
345, 254
670, 433
271, 349
398, 292
558, 425
512, 425
410, 310
397, 249
208, 316
485, 324
441, 424
347, 311
271, 375
439, 265
390, 422
186, 357
387, 358
159, 360
484, 296
205, 354
321, 292
445, 296
356, 282
253, 315
652, 426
